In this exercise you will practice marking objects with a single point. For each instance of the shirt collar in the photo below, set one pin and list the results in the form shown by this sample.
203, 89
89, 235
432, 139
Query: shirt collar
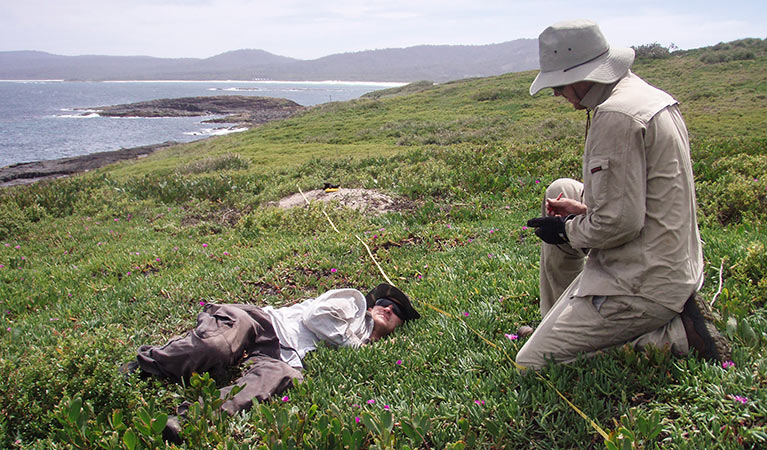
598, 93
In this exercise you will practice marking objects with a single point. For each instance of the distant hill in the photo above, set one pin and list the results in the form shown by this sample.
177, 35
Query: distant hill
433, 62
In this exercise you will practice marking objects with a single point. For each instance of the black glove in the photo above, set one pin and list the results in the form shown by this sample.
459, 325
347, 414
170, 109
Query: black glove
551, 230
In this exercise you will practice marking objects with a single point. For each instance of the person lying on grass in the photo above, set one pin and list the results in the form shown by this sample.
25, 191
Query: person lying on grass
271, 342
622, 258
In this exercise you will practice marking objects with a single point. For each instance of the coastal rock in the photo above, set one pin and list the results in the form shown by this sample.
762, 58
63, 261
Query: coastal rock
27, 173
242, 110
238, 108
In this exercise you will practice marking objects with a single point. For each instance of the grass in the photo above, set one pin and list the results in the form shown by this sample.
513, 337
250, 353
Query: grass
94, 266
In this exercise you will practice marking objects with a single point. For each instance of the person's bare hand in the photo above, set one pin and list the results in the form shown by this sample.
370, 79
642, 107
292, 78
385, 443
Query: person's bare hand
562, 207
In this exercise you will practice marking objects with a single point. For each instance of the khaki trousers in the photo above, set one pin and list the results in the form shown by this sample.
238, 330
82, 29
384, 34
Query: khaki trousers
226, 336
573, 325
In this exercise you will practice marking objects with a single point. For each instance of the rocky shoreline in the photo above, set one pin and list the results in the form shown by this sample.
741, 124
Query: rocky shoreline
241, 110
31, 172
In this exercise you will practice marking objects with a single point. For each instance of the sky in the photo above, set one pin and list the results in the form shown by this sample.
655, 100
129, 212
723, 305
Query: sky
310, 29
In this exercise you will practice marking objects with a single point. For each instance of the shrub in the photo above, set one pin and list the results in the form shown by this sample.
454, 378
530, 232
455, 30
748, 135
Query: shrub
216, 164
731, 199
731, 178
179, 189
498, 94
735, 55
752, 269
13, 221
651, 51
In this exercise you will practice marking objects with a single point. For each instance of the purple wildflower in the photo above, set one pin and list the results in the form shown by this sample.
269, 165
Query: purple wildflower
740, 398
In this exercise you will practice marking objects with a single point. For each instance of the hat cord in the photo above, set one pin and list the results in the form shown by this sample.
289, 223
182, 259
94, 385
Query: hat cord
588, 124
590, 60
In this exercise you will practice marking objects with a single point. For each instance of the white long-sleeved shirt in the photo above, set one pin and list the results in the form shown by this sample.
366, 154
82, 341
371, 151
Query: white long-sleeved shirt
338, 317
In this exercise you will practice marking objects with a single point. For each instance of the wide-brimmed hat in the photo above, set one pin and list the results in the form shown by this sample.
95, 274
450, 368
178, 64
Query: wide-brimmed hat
384, 290
576, 50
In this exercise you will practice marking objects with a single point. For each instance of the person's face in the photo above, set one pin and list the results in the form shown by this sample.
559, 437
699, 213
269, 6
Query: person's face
384, 320
573, 92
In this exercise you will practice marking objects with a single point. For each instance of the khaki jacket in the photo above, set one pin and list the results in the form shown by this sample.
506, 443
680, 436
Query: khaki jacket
641, 224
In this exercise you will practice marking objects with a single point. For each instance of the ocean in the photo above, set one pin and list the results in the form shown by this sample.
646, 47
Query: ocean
40, 120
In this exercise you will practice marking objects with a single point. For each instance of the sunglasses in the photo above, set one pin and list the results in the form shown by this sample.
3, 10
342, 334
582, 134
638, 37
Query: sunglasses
559, 89
385, 302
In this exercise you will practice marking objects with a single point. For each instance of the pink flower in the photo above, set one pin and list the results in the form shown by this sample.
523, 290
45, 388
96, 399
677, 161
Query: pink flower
2, 266
741, 399
489, 255
419, 276
128, 274
524, 227
372, 401
728, 364
357, 419
202, 303
386, 407
204, 245
511, 337
333, 270
285, 398
116, 219
226, 253
537, 181
466, 314
17, 247
157, 259
399, 362
375, 236
479, 402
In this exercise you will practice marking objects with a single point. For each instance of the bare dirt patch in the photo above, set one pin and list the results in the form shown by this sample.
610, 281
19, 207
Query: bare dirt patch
365, 200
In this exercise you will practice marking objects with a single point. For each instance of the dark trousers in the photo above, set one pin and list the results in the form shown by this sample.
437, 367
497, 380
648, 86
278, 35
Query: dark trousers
226, 336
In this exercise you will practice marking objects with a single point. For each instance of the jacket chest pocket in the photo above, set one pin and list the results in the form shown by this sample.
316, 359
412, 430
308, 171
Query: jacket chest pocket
598, 173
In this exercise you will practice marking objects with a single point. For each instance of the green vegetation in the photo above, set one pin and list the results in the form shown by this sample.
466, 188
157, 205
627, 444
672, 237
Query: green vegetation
94, 266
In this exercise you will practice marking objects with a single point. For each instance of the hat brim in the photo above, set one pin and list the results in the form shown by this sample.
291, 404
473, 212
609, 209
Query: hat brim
606, 69
385, 290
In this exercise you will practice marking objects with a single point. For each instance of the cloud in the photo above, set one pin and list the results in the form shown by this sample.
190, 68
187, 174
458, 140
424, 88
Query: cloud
309, 29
